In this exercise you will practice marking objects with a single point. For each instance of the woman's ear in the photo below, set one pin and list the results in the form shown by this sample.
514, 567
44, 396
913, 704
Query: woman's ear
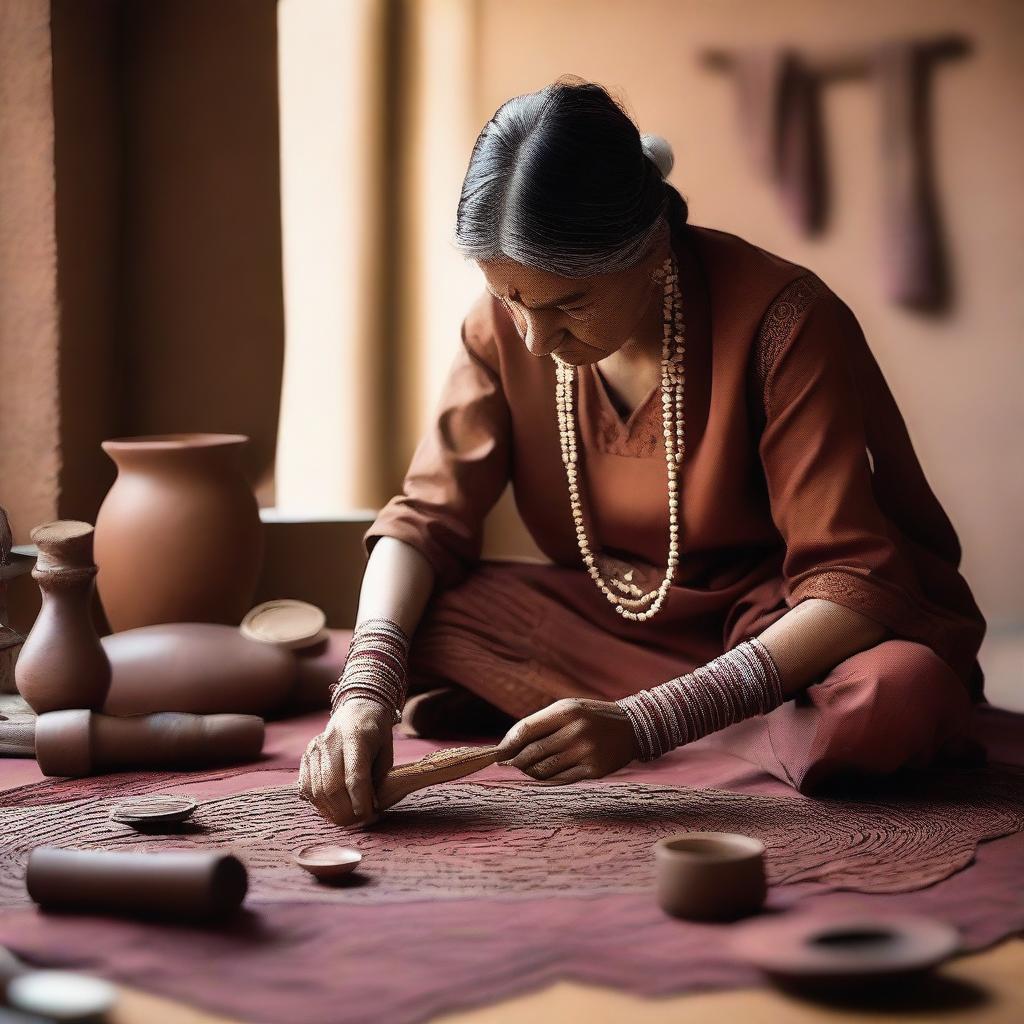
659, 251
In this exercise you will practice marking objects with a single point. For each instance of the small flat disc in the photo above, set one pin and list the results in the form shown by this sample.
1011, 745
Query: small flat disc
62, 995
152, 810
285, 623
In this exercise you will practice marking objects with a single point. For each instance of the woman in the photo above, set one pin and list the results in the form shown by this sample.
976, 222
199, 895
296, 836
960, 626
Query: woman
743, 543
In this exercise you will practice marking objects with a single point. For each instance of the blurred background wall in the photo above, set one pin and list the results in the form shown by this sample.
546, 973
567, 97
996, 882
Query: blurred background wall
238, 216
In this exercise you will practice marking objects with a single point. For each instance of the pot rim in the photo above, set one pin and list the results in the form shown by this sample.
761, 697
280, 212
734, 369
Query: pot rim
734, 846
170, 442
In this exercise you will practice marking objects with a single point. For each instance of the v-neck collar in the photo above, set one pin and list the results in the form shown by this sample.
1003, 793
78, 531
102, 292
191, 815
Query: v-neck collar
608, 401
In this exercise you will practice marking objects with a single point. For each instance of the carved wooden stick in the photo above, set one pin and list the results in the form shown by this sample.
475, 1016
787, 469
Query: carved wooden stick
441, 766
403, 779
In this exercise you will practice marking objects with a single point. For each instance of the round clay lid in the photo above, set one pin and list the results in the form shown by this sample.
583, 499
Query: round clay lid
285, 623
20, 561
147, 811
814, 949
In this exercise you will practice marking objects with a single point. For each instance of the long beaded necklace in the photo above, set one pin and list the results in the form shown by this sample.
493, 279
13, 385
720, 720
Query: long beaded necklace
630, 598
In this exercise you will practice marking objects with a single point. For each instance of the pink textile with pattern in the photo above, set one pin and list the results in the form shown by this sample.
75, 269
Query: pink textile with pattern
469, 924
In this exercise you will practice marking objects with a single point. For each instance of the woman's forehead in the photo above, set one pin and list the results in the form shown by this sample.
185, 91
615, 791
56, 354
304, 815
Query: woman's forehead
535, 287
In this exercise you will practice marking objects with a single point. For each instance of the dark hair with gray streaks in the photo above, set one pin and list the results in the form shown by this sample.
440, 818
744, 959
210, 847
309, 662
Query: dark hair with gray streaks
561, 180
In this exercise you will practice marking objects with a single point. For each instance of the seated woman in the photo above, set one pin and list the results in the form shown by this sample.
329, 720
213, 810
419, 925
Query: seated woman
742, 540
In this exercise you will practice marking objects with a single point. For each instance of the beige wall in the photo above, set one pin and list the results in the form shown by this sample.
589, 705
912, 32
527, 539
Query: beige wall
957, 378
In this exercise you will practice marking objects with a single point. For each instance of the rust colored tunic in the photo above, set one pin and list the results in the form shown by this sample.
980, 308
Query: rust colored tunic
799, 480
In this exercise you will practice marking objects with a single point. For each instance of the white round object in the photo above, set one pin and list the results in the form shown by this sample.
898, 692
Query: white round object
285, 623
62, 995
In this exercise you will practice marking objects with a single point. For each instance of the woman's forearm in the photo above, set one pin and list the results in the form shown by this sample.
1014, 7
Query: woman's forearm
341, 766
813, 637
397, 583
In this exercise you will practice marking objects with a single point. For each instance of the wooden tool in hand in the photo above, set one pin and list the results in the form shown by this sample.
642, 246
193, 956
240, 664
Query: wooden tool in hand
403, 779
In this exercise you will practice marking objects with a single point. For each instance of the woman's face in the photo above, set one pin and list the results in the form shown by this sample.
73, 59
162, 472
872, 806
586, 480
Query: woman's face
581, 319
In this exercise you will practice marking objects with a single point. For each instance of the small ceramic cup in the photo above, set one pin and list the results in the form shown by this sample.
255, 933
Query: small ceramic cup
709, 876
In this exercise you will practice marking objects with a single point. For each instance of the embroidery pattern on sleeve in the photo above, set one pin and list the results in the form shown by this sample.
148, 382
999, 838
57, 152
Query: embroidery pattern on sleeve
780, 321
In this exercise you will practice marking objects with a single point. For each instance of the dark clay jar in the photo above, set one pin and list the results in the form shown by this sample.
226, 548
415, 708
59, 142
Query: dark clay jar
181, 884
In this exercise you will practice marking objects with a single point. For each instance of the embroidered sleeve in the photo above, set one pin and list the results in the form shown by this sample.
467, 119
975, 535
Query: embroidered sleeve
839, 544
458, 471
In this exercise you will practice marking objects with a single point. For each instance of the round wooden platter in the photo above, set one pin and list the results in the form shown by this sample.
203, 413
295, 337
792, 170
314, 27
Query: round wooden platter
837, 952
285, 623
328, 860
152, 811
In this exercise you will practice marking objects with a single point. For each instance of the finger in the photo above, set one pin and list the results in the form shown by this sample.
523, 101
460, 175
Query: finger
575, 774
541, 750
307, 779
382, 764
332, 789
303, 780
534, 727
316, 783
357, 777
568, 757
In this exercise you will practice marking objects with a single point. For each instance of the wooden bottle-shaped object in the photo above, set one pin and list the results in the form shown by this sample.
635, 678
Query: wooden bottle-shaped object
63, 664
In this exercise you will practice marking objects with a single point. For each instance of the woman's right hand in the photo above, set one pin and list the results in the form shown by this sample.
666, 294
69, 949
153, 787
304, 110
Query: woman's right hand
345, 763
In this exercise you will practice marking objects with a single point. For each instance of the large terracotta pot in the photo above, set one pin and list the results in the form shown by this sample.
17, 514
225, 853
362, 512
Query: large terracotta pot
178, 538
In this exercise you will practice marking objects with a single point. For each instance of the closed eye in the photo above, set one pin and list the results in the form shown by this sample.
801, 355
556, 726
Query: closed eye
571, 310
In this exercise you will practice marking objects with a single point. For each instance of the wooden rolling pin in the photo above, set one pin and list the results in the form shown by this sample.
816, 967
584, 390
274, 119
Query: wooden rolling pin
79, 742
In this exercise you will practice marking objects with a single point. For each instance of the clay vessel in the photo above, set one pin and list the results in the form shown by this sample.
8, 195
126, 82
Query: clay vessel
188, 884
62, 663
178, 538
199, 667
709, 876
403, 779
77, 743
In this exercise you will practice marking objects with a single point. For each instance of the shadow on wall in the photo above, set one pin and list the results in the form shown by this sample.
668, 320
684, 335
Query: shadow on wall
168, 230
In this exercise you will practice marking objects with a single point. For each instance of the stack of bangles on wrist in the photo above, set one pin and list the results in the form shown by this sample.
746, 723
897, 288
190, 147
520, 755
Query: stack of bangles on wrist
739, 684
375, 667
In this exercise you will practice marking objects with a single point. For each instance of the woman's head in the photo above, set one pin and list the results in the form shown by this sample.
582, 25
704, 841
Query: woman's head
564, 200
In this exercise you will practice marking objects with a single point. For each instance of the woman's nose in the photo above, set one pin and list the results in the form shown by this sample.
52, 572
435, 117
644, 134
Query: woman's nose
541, 341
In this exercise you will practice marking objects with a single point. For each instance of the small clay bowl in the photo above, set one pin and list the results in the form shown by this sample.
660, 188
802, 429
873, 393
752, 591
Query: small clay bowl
709, 876
326, 860
285, 623
152, 811
833, 954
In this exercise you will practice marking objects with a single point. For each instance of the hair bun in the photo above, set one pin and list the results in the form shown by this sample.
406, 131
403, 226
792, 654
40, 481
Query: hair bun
657, 149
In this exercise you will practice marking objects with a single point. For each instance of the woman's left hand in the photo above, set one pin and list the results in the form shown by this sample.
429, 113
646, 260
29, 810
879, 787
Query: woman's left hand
570, 740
